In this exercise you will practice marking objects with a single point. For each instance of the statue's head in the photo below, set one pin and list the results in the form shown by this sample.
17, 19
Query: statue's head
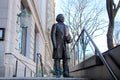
60, 18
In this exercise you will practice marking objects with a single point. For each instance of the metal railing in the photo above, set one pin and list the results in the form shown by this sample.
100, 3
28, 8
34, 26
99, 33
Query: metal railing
25, 69
84, 48
39, 66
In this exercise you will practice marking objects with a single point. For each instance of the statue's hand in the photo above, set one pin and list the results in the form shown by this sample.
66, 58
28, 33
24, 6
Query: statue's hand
68, 39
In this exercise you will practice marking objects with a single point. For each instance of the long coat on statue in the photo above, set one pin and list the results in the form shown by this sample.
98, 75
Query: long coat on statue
60, 38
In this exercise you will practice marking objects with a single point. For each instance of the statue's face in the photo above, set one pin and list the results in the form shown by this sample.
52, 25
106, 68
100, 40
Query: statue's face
60, 18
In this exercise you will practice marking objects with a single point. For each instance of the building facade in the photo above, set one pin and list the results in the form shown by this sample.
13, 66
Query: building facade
25, 27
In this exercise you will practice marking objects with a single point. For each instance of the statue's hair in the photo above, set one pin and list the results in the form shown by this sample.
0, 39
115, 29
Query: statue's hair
60, 18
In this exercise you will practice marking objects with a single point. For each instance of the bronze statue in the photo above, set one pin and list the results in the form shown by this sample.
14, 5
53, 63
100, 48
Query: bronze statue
60, 38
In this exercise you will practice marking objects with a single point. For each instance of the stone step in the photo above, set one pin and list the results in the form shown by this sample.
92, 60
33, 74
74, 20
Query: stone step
41, 78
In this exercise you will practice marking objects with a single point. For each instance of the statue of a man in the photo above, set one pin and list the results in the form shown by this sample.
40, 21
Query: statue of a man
60, 38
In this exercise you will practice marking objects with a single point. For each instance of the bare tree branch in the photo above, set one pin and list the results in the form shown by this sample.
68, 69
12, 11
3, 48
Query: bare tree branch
81, 14
117, 8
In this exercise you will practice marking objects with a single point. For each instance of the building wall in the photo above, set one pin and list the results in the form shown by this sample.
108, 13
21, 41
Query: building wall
12, 41
3, 24
49, 22
37, 26
48, 19
41, 6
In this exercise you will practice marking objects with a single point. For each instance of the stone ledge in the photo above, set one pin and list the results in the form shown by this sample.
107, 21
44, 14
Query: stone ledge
41, 78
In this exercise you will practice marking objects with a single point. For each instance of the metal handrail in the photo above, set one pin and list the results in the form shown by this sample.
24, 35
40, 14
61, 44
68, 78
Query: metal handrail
15, 75
77, 40
99, 53
39, 57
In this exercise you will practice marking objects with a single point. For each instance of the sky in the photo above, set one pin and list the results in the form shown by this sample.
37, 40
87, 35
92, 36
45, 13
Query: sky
100, 41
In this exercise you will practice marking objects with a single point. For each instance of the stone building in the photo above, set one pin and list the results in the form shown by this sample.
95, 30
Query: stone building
25, 31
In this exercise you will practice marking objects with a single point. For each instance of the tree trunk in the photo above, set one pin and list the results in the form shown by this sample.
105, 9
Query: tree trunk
112, 10
110, 35
109, 6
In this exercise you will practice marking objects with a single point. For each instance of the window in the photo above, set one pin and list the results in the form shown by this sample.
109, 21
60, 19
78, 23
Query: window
22, 33
20, 39
35, 46
2, 32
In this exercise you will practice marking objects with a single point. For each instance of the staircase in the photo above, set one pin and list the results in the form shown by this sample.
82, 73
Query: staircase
87, 61
96, 66
41, 78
